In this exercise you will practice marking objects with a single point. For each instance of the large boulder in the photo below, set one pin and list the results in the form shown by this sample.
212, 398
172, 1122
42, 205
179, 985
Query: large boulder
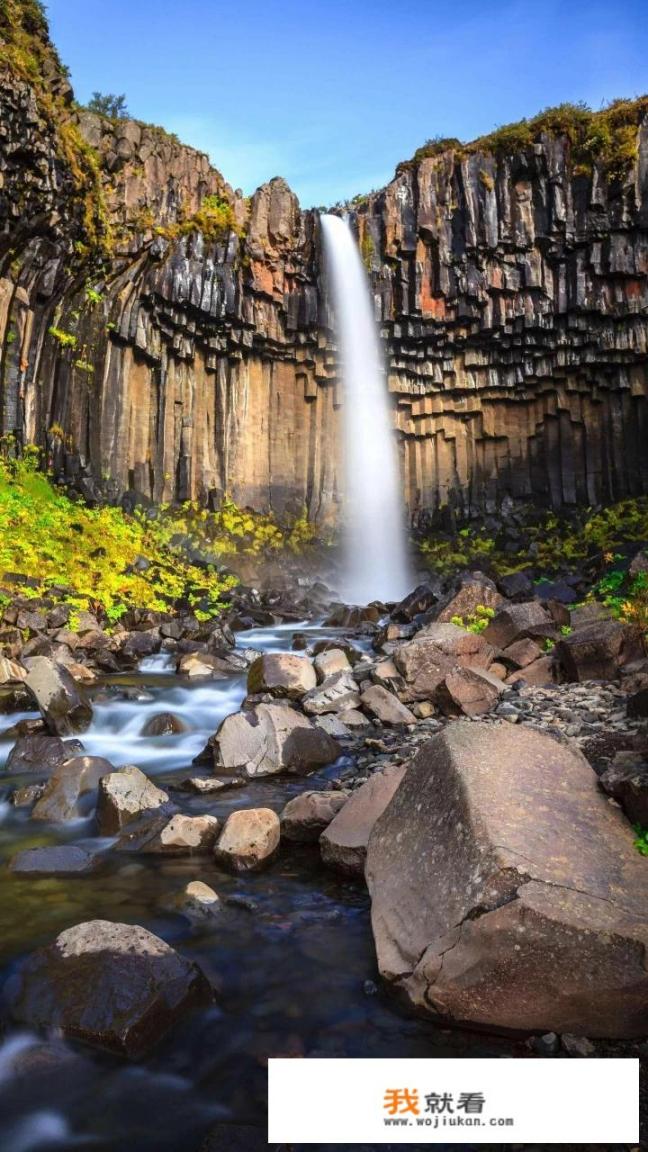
468, 649
344, 843
472, 691
335, 694
423, 666
281, 674
306, 816
249, 840
271, 738
518, 621
386, 707
126, 795
63, 706
424, 597
598, 651
41, 754
329, 662
474, 591
115, 986
70, 792
506, 891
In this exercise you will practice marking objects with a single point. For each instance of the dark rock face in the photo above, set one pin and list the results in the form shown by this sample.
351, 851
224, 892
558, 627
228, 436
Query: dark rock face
60, 860
511, 292
41, 754
115, 986
477, 917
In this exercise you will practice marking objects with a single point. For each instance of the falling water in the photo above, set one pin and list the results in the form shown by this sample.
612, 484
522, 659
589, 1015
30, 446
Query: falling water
376, 563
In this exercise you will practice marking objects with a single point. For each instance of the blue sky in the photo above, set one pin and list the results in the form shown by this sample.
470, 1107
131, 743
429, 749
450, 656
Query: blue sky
332, 95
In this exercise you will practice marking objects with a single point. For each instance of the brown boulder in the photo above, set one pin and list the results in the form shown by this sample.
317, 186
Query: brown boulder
305, 818
424, 667
63, 706
627, 781
70, 792
475, 591
249, 840
271, 738
469, 649
386, 707
344, 843
598, 651
506, 891
517, 621
472, 691
282, 674
41, 754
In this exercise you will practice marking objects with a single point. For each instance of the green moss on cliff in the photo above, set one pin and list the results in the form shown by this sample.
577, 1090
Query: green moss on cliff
607, 138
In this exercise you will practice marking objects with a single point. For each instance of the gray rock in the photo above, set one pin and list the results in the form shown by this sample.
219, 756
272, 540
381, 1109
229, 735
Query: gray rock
71, 791
336, 694
41, 754
327, 663
63, 706
305, 818
58, 860
115, 986
124, 796
271, 738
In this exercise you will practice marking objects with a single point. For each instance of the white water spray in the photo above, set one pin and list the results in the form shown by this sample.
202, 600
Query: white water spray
376, 563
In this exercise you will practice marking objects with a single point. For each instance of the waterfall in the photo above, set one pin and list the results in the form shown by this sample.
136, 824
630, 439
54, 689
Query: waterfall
376, 562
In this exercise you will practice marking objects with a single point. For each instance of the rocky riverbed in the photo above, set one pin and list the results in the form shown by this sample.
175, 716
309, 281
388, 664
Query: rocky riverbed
189, 808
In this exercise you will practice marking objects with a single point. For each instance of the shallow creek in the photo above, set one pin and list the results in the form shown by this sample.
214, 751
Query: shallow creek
292, 962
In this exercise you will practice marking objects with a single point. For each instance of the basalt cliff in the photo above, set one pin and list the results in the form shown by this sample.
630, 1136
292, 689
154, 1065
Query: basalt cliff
164, 336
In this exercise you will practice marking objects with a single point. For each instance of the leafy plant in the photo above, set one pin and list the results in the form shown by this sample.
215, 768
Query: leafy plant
477, 621
65, 339
641, 839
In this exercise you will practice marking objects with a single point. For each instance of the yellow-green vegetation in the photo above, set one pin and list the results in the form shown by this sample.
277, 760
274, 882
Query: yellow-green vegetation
607, 137
92, 552
215, 219
555, 542
477, 621
96, 554
232, 530
25, 49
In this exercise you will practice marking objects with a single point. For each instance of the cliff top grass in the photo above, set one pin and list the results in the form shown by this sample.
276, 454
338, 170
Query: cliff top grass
607, 138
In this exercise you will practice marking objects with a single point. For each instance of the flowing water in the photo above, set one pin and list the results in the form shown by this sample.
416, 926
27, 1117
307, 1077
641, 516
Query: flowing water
292, 957
376, 561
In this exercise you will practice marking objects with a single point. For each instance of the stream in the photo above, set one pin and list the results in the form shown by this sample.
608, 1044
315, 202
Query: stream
291, 957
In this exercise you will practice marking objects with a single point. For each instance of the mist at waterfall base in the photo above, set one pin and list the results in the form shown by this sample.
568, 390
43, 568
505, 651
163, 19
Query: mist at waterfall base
376, 564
